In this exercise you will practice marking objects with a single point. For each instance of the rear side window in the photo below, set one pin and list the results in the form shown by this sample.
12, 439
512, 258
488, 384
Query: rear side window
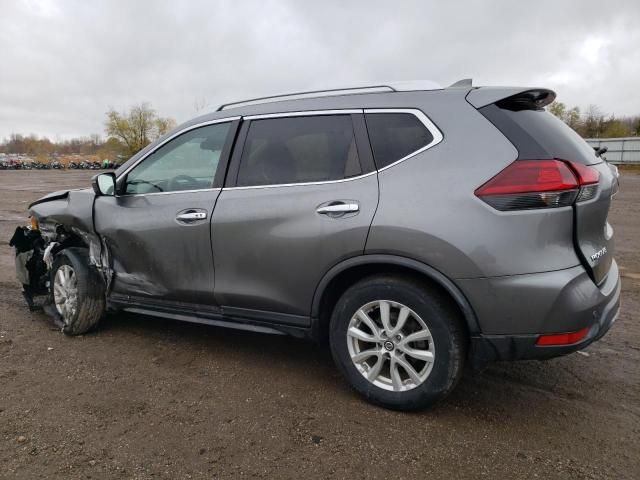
393, 136
299, 149
538, 134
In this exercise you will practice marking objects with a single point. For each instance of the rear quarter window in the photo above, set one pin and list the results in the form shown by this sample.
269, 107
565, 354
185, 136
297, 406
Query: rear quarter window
538, 134
394, 136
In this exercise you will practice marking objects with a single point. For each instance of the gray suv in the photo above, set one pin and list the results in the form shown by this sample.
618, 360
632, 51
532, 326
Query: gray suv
415, 229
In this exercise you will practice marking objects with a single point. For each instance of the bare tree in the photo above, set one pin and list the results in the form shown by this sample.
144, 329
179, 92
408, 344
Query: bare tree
593, 122
200, 104
572, 118
137, 128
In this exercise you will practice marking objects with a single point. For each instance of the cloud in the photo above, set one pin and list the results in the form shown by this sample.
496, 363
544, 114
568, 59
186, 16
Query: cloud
65, 63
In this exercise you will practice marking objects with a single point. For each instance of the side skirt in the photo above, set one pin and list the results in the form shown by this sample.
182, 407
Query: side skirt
226, 317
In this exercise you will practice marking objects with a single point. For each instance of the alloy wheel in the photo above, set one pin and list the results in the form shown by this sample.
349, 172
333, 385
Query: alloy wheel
65, 292
390, 345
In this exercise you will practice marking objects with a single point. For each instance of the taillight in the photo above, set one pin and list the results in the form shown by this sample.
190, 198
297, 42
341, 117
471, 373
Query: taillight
530, 184
588, 178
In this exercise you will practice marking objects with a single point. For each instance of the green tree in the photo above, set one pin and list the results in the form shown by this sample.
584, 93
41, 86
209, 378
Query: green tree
137, 128
559, 109
614, 128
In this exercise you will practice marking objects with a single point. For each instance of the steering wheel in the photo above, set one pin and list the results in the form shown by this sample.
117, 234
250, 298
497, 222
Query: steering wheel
182, 182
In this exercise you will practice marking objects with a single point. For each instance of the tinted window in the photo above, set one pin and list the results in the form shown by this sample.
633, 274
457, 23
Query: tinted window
187, 162
395, 135
299, 149
540, 134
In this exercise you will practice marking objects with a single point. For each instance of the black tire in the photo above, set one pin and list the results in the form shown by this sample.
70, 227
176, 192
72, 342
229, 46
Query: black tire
440, 316
90, 291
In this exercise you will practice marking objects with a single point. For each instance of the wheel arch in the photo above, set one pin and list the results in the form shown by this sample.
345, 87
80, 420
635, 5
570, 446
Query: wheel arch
353, 269
78, 252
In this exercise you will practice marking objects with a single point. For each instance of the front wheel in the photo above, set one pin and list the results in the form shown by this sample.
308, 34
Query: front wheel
398, 342
77, 290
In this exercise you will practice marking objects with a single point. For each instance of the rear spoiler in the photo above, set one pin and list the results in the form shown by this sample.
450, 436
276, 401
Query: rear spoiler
511, 97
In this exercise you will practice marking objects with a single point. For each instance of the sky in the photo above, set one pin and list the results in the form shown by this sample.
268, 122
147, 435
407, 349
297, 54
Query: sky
63, 64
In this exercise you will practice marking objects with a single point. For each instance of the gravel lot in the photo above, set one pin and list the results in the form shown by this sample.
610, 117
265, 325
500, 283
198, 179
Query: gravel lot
149, 398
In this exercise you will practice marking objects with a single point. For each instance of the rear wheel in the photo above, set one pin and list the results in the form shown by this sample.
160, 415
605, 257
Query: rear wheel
398, 342
78, 291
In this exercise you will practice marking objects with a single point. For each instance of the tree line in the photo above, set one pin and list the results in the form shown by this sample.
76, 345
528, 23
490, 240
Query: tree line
126, 134
592, 123
35, 146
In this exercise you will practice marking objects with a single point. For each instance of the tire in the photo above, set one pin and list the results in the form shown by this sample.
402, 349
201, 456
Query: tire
443, 341
73, 265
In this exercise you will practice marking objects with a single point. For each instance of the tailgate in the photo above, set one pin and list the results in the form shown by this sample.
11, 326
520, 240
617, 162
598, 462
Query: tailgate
537, 134
593, 234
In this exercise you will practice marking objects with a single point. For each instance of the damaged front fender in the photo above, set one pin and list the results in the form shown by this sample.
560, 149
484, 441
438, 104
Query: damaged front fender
71, 208
66, 217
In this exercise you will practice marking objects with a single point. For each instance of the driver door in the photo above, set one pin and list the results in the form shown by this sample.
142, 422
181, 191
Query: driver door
157, 226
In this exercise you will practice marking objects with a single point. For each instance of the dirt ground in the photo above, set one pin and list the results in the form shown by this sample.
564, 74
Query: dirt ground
148, 398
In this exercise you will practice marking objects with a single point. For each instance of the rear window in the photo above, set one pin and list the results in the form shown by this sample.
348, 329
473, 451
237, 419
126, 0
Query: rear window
538, 134
299, 149
394, 136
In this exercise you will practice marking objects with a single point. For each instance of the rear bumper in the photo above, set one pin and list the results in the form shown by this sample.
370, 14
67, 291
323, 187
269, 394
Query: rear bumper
597, 310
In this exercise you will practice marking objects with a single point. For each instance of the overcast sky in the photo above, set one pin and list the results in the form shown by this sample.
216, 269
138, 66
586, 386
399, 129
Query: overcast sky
64, 63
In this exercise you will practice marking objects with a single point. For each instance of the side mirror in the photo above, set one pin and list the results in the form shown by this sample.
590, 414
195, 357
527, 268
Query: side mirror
104, 183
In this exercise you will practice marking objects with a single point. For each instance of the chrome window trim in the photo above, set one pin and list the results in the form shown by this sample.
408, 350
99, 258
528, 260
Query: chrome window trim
419, 114
301, 184
309, 113
435, 132
169, 193
177, 134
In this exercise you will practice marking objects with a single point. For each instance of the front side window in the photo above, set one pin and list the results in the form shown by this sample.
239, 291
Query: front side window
299, 149
393, 136
187, 162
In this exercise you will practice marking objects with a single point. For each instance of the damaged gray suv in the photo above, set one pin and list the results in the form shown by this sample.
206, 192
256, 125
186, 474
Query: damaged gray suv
415, 229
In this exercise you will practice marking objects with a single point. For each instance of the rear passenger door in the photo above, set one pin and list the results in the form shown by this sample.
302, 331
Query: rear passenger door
300, 196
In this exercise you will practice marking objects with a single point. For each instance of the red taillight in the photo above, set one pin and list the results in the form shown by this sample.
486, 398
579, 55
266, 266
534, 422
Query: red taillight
525, 176
528, 184
586, 175
562, 338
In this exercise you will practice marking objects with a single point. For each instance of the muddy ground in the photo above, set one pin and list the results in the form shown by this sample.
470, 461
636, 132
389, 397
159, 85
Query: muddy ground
149, 398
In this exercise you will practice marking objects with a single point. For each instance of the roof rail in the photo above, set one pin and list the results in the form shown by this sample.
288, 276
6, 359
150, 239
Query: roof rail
310, 94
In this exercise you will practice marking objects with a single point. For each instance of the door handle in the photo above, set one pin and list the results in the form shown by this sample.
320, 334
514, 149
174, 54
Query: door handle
191, 216
338, 208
